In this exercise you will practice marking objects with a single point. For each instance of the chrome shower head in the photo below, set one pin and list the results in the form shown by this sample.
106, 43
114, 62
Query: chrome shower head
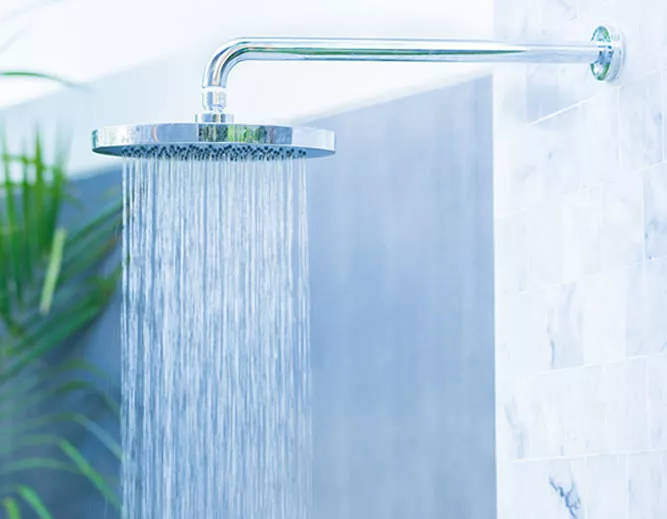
213, 141
214, 135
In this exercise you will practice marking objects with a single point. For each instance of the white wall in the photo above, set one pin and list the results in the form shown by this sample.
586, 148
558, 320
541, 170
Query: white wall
89, 41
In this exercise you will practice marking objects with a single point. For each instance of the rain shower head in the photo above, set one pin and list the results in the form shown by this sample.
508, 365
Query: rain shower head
215, 136
213, 141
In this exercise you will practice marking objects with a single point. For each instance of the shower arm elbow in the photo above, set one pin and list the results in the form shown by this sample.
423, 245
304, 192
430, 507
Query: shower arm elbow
214, 84
604, 53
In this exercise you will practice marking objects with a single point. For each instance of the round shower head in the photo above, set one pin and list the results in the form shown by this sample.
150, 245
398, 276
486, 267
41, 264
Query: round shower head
213, 141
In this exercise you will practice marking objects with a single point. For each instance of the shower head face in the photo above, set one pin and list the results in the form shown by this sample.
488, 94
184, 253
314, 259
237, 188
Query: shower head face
211, 141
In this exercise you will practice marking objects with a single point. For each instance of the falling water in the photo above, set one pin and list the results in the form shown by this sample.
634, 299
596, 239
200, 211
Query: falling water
216, 412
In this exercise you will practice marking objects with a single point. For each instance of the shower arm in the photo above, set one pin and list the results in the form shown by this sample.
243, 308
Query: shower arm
603, 53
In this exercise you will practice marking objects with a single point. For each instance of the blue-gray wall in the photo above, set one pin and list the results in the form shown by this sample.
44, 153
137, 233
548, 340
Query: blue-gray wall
401, 253
72, 497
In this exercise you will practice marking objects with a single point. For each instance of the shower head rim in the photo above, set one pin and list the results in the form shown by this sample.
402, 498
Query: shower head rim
124, 140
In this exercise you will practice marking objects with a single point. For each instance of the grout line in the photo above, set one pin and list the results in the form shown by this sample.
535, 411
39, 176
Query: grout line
570, 369
528, 207
603, 270
562, 111
661, 77
617, 95
647, 407
642, 203
605, 414
587, 483
585, 456
626, 460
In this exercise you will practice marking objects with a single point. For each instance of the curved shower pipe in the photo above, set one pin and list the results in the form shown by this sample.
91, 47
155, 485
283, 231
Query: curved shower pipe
603, 53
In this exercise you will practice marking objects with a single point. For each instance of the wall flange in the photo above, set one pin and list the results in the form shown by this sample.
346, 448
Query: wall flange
608, 65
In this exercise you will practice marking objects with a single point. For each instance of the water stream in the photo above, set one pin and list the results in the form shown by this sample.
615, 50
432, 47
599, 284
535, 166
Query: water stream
216, 369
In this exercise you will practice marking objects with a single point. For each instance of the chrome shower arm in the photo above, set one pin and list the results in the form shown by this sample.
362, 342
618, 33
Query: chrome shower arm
602, 53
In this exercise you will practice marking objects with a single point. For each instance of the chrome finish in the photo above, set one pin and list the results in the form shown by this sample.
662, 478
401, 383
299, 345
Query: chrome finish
214, 135
601, 52
214, 117
203, 141
608, 65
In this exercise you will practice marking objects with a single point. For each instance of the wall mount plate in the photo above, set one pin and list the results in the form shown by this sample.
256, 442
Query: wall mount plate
608, 65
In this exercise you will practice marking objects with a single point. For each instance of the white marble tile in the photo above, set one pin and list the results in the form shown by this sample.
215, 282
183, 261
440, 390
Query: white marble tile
567, 481
646, 303
655, 211
565, 306
663, 85
561, 148
544, 242
600, 159
545, 424
507, 198
512, 407
557, 17
511, 259
548, 490
647, 475
624, 390
622, 223
568, 85
616, 307
581, 403
522, 343
551, 88
559, 414
528, 179
582, 251
530, 419
640, 118
518, 19
604, 319
607, 496
504, 498
657, 401
509, 95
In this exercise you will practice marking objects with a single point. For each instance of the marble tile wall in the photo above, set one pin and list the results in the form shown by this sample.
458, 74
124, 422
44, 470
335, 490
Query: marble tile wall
581, 269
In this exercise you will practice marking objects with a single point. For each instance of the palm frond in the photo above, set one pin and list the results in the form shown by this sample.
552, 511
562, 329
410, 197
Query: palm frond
50, 291
28, 74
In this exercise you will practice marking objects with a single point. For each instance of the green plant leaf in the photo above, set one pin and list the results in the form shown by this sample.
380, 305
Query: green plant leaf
26, 203
38, 75
56, 195
41, 192
49, 291
24, 464
12, 229
23, 430
5, 295
30, 497
53, 270
100, 227
41, 440
33, 501
11, 392
34, 425
91, 474
50, 336
12, 508
49, 393
80, 465
104, 437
